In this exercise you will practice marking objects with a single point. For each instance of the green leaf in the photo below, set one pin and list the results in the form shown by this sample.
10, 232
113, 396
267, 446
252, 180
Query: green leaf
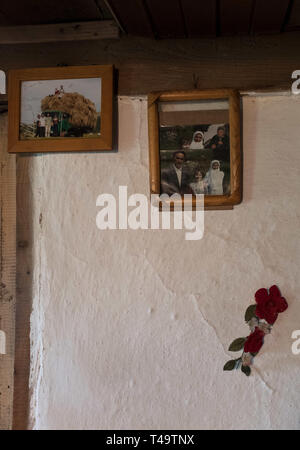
246, 370
237, 344
250, 312
230, 365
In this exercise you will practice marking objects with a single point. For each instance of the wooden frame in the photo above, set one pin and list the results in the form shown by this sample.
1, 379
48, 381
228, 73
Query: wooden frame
210, 201
101, 142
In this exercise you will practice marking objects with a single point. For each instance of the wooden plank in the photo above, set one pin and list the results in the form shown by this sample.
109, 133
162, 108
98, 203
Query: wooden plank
24, 293
7, 276
294, 19
3, 103
30, 12
200, 17
132, 16
269, 15
167, 18
104, 9
147, 65
235, 16
76, 31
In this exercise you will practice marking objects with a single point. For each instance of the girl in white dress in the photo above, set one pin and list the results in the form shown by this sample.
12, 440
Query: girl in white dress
214, 178
198, 186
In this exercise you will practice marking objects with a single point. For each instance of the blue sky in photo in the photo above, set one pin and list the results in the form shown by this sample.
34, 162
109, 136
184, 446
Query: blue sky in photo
32, 92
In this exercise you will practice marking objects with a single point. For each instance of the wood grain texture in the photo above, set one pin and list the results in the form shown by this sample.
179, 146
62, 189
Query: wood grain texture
147, 65
294, 18
167, 18
103, 142
132, 16
29, 12
75, 31
3, 103
24, 282
269, 15
7, 275
214, 201
235, 16
200, 17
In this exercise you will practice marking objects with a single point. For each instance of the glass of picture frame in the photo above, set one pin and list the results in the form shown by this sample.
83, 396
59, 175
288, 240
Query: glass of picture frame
194, 146
60, 109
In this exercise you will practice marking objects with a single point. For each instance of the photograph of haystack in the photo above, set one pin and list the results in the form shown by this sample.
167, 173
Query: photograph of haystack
60, 108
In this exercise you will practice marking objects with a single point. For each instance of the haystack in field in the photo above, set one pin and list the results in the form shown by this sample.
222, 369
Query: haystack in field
82, 111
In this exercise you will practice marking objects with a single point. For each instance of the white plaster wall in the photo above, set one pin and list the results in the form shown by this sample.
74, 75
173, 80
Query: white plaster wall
130, 329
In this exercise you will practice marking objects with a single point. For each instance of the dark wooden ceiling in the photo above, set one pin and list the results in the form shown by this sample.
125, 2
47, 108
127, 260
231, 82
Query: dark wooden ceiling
163, 18
197, 18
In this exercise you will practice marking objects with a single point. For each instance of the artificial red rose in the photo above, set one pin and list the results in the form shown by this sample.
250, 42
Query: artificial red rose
254, 341
269, 304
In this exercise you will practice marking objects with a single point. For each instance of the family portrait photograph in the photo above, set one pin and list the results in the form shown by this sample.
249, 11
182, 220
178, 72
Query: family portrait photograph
195, 159
54, 109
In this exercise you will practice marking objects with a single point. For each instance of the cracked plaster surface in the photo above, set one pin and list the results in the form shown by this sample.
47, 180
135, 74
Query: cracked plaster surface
130, 329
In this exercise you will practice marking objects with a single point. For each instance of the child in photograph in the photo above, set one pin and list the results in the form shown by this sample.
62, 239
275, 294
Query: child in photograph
197, 141
198, 186
214, 179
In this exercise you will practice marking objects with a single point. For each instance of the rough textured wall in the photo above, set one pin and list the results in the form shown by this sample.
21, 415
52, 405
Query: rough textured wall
130, 329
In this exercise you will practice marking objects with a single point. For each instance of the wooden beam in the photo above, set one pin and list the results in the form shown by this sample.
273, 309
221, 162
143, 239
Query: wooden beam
29, 12
200, 17
24, 282
75, 31
3, 103
7, 276
235, 16
269, 15
147, 65
137, 23
167, 18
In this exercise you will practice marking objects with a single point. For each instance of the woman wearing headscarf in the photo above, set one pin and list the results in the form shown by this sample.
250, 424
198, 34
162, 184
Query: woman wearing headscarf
197, 141
214, 178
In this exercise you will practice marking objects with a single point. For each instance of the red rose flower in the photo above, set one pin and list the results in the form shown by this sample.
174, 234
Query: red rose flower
254, 341
269, 304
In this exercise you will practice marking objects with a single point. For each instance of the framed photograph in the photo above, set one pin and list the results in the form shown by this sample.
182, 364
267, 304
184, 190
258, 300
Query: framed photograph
194, 145
60, 109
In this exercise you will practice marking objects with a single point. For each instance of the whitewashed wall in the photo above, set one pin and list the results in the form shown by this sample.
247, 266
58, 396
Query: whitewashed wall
130, 329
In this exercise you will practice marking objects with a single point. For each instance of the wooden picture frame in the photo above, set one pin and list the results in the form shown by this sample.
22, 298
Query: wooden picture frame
79, 123
234, 195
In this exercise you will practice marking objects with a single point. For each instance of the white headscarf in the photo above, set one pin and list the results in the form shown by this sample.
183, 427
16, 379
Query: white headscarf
197, 145
214, 179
